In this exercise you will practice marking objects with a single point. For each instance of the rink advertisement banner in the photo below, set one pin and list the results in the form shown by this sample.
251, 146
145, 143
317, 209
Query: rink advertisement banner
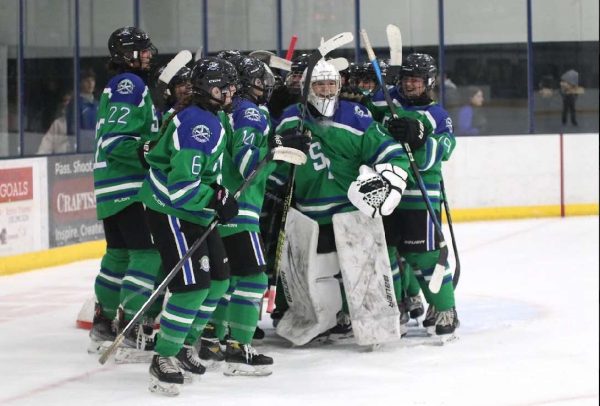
23, 212
72, 203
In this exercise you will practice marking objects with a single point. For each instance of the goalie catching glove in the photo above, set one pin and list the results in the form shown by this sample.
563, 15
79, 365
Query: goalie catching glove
377, 192
291, 146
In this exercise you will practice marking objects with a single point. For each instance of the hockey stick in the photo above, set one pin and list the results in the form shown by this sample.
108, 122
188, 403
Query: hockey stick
290, 51
171, 69
394, 38
163, 285
456, 276
325, 48
435, 283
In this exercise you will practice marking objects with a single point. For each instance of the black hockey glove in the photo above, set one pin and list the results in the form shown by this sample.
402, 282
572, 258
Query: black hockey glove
223, 203
292, 138
353, 94
408, 130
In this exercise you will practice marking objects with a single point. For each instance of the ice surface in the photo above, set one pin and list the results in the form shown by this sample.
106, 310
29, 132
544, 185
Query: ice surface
527, 301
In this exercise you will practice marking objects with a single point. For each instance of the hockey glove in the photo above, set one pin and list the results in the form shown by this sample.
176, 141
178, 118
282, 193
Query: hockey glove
408, 130
396, 179
353, 94
291, 146
368, 192
143, 152
223, 203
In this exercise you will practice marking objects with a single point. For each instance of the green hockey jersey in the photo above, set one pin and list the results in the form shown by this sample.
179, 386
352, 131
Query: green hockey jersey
126, 119
340, 145
246, 146
184, 164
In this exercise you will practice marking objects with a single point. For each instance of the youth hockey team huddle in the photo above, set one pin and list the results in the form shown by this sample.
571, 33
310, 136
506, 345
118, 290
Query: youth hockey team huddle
357, 244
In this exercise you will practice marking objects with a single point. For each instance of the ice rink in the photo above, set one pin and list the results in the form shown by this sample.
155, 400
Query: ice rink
527, 301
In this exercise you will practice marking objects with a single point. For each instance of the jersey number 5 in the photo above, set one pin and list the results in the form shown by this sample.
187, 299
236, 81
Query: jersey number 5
320, 161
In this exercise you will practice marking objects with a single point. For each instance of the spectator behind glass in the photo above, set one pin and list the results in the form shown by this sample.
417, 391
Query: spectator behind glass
569, 90
471, 120
87, 116
56, 140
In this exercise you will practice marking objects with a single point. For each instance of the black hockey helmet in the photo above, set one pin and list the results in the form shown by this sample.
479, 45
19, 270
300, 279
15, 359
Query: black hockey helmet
208, 73
255, 75
183, 75
419, 65
292, 80
126, 43
230, 55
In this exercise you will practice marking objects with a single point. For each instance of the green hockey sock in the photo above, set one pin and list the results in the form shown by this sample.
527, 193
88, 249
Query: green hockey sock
244, 306
176, 320
138, 282
108, 282
423, 265
412, 284
205, 312
219, 317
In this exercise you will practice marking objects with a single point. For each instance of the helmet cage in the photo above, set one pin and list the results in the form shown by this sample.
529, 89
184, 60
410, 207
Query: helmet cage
325, 104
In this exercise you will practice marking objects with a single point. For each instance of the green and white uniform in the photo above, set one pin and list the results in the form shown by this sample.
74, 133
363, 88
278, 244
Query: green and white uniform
247, 146
417, 243
126, 118
184, 164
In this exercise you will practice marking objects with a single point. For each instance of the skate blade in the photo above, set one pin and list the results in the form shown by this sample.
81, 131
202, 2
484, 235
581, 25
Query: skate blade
188, 377
98, 347
427, 340
235, 369
211, 364
163, 388
126, 355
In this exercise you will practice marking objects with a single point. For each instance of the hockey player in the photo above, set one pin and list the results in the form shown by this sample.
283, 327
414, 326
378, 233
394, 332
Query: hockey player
346, 144
177, 91
183, 194
246, 146
410, 228
126, 119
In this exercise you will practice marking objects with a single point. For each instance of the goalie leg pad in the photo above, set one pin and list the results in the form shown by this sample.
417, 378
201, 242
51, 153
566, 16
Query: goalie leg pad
311, 290
367, 277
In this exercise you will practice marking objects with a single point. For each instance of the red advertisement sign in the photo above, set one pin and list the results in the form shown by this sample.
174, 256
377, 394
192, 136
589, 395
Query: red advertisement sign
16, 184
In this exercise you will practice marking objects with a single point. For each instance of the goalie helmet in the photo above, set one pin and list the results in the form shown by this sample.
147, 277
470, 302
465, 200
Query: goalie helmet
207, 74
421, 66
325, 97
125, 45
254, 75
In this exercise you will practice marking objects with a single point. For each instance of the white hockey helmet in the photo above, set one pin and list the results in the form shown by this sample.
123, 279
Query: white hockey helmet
325, 103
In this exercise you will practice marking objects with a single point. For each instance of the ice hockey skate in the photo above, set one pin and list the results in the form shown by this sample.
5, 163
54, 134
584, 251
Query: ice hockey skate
102, 332
446, 324
190, 363
165, 376
414, 305
210, 350
244, 360
138, 345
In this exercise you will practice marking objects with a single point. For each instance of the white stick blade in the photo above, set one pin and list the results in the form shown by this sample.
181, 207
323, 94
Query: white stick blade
394, 38
198, 54
178, 62
435, 283
280, 63
335, 42
339, 63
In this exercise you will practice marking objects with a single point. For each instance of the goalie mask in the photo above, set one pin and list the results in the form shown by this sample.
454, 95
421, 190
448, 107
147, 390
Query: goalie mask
324, 89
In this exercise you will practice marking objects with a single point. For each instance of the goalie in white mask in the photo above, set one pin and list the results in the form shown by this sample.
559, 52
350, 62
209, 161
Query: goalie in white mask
353, 165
